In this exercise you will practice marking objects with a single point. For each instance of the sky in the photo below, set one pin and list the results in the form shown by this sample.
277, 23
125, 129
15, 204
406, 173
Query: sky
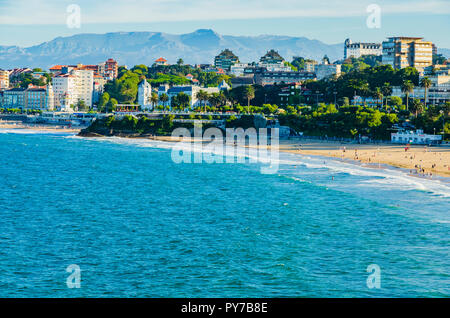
29, 22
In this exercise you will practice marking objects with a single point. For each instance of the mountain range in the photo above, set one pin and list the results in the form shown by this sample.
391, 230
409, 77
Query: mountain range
132, 48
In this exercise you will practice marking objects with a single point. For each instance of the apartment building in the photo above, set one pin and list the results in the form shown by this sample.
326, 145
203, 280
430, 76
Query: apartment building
33, 97
401, 52
326, 69
225, 60
109, 69
70, 88
271, 57
359, 49
271, 78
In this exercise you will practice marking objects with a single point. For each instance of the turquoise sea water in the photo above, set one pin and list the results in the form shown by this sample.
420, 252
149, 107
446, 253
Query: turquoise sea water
139, 225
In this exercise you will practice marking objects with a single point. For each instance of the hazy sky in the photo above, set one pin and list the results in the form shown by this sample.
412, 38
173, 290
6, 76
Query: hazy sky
28, 22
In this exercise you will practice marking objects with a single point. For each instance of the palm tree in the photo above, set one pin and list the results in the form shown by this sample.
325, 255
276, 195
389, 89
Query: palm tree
425, 83
202, 96
249, 93
154, 99
164, 98
407, 88
378, 94
417, 107
387, 91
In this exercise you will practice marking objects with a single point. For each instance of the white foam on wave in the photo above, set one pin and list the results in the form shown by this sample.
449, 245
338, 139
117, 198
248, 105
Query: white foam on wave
386, 177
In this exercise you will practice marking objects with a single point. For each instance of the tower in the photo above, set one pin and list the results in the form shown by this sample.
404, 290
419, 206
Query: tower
144, 95
50, 97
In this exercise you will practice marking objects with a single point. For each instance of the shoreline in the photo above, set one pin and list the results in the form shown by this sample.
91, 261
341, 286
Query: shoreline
421, 161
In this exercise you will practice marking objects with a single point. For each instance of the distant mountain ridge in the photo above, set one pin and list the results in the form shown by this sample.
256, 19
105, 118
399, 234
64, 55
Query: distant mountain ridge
132, 48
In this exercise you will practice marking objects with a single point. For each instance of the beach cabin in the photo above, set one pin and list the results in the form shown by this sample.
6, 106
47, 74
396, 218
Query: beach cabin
415, 137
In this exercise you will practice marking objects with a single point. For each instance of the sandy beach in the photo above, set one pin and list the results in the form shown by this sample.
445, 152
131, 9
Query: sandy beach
420, 160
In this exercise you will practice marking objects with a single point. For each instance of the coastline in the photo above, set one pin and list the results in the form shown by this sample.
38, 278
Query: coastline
435, 161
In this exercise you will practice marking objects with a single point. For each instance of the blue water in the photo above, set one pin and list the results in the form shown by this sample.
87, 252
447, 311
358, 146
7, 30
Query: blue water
139, 225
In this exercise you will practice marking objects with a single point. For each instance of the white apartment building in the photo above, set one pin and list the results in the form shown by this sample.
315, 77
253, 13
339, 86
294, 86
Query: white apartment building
72, 87
238, 69
325, 70
359, 49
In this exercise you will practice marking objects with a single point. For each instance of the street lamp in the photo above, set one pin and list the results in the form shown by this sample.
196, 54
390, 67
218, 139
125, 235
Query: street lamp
443, 123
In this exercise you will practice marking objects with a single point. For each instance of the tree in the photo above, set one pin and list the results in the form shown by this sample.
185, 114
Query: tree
202, 96
112, 104
164, 98
154, 99
395, 101
183, 100
104, 99
81, 105
425, 83
378, 94
407, 88
180, 62
387, 91
249, 94
417, 107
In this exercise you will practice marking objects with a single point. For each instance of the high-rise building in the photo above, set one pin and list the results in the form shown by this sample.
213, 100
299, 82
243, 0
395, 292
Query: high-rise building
109, 69
359, 49
225, 60
401, 52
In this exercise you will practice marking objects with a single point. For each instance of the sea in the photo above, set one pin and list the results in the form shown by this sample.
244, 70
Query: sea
114, 217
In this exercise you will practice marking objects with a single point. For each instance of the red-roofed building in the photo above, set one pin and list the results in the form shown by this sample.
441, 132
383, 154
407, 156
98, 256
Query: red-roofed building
220, 71
57, 69
109, 69
161, 61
